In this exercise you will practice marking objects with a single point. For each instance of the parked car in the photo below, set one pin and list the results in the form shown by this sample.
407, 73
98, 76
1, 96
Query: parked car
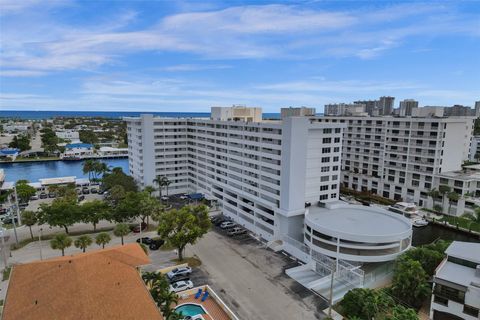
236, 231
136, 229
219, 221
165, 198
179, 272
227, 225
43, 195
9, 220
81, 198
145, 240
94, 190
156, 244
181, 286
52, 195
216, 218
78, 191
23, 205
85, 190
183, 197
35, 197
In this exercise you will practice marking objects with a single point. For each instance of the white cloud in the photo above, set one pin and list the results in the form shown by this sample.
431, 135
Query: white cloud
194, 67
21, 73
244, 32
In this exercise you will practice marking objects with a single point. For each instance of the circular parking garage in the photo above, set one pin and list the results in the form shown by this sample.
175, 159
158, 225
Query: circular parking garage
356, 232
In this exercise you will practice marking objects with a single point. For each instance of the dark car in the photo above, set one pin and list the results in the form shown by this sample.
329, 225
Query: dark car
52, 195
81, 198
156, 244
94, 190
9, 220
78, 191
85, 190
144, 240
43, 195
219, 221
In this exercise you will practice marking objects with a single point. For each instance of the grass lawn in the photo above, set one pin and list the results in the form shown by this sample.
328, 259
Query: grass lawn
32, 159
192, 261
462, 223
24, 242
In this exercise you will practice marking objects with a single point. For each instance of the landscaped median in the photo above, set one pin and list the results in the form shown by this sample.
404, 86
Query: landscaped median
464, 223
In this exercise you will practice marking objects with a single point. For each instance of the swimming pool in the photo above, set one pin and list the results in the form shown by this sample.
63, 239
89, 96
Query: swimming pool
190, 309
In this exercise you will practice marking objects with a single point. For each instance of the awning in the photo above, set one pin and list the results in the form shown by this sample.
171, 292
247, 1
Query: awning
196, 196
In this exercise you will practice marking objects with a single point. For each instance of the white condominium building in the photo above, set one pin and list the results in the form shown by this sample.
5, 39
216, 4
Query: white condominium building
456, 288
400, 158
262, 173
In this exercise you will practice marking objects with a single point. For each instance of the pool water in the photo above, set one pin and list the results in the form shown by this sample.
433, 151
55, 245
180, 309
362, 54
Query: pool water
190, 309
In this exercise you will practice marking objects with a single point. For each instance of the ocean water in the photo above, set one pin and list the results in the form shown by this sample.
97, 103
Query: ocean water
37, 115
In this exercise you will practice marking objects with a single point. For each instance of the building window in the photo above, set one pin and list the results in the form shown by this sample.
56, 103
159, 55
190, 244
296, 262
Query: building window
337, 140
323, 188
440, 300
325, 159
327, 140
324, 178
325, 169
333, 196
449, 293
471, 311
323, 196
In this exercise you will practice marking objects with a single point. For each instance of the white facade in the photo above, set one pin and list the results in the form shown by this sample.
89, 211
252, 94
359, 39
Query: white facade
456, 289
297, 112
261, 173
399, 158
237, 113
68, 135
475, 148
344, 109
346, 232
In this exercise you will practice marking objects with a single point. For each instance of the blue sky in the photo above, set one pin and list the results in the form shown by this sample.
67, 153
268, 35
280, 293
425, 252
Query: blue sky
188, 56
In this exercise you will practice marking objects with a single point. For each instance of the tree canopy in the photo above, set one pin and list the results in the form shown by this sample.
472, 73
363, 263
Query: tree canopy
94, 211
184, 226
61, 242
21, 142
118, 178
24, 191
62, 212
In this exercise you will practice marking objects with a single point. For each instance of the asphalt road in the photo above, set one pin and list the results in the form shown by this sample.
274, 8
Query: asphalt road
251, 279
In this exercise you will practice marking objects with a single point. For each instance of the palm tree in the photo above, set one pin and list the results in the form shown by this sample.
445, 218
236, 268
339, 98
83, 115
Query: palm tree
475, 216
121, 230
167, 182
83, 242
169, 298
102, 239
159, 181
61, 242
452, 196
88, 167
434, 194
149, 189
29, 218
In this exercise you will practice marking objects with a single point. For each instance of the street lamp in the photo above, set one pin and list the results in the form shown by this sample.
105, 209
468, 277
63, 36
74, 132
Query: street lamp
4, 251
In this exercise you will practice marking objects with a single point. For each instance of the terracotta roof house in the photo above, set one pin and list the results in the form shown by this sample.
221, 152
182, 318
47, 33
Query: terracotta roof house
101, 284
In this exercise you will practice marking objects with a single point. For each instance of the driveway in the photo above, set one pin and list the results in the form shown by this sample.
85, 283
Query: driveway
251, 279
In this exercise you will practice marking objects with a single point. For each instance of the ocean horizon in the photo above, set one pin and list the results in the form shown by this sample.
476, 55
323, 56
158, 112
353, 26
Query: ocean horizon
37, 115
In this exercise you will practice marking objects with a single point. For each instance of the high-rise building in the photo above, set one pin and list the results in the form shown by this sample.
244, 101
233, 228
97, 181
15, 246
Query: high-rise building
237, 113
297, 112
399, 158
261, 173
459, 111
385, 104
406, 107
370, 106
477, 109
345, 109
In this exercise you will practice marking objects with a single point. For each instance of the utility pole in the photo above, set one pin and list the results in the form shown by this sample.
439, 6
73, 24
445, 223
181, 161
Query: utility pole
18, 208
4, 250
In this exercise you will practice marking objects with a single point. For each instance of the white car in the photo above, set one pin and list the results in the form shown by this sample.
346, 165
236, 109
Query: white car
164, 198
228, 225
179, 272
181, 286
183, 197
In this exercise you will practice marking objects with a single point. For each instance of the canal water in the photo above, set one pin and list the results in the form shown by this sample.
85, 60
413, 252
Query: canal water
434, 232
32, 171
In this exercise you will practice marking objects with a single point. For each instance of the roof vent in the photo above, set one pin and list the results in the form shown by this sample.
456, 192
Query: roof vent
477, 271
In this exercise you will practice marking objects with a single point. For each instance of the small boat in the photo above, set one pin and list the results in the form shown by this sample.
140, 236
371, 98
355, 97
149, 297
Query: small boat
408, 210
419, 222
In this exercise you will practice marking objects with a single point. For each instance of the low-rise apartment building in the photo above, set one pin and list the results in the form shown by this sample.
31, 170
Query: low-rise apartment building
402, 158
456, 284
261, 173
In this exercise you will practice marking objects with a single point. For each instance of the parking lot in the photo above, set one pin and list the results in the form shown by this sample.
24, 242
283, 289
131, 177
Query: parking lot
251, 279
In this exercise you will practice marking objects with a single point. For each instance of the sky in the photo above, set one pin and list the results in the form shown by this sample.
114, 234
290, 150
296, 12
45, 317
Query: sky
170, 56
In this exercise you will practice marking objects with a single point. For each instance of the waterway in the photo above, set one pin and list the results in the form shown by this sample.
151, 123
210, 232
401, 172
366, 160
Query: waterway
433, 232
32, 171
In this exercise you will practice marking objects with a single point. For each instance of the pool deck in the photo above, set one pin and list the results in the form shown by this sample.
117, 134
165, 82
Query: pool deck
216, 309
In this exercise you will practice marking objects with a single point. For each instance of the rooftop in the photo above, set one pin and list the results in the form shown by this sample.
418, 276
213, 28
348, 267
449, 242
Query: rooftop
469, 251
100, 284
79, 146
358, 220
